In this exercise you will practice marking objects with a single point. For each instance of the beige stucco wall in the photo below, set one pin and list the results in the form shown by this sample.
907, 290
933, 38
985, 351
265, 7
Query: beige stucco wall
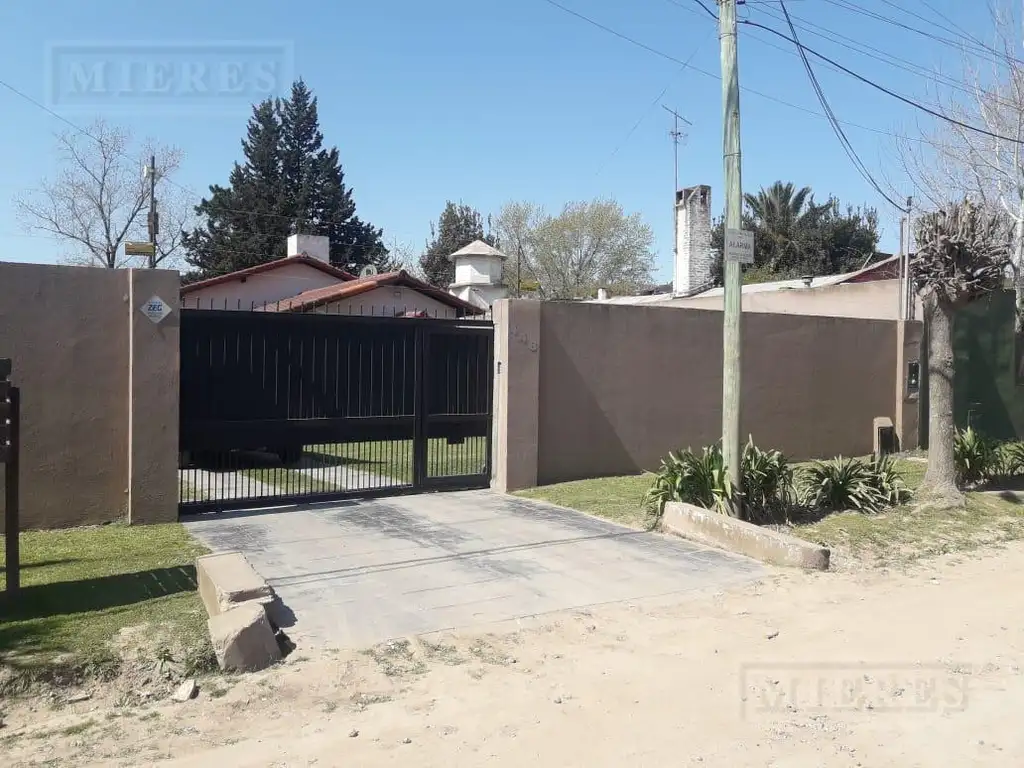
71, 333
873, 300
275, 285
617, 387
389, 300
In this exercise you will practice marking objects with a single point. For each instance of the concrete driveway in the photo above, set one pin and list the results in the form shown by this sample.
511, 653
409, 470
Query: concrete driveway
359, 572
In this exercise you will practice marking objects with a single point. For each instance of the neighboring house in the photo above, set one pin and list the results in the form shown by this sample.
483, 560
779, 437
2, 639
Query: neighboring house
306, 281
393, 294
871, 292
478, 274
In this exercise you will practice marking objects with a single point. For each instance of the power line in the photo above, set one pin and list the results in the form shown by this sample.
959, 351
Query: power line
650, 108
948, 20
85, 132
843, 140
707, 10
868, 50
715, 76
982, 50
883, 89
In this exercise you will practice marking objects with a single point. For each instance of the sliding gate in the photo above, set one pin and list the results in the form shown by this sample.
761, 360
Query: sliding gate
283, 408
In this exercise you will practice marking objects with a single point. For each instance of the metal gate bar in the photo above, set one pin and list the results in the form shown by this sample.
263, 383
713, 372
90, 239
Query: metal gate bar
281, 408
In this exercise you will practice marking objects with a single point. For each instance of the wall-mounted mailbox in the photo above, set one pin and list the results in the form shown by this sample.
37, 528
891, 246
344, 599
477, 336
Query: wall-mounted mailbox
913, 377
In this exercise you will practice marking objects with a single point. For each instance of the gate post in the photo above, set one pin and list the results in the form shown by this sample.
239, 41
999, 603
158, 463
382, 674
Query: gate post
10, 413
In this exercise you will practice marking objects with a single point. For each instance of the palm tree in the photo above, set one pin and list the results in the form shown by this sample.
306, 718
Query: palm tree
962, 255
784, 216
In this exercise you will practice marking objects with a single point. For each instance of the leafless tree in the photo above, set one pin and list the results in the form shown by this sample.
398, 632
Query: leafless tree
950, 159
99, 199
589, 245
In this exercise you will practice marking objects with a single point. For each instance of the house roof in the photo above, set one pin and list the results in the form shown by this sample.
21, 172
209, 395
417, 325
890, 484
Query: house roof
269, 266
880, 270
318, 297
478, 248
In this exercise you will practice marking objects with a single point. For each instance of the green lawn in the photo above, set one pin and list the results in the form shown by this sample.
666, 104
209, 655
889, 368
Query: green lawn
81, 586
614, 498
899, 535
394, 458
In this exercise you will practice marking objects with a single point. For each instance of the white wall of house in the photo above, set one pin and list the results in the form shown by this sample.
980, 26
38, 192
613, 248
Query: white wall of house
269, 287
389, 300
477, 270
878, 299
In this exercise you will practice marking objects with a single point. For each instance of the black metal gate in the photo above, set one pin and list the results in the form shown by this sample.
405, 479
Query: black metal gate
280, 408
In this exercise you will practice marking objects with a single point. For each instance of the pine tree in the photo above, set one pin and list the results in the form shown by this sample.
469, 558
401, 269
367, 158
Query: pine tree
245, 224
288, 184
458, 226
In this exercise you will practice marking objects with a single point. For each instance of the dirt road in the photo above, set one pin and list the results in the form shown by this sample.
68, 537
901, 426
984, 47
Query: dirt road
869, 669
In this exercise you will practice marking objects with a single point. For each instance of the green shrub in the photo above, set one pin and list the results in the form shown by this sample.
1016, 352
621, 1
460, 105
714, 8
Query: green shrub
700, 479
977, 457
694, 478
1011, 458
767, 484
841, 484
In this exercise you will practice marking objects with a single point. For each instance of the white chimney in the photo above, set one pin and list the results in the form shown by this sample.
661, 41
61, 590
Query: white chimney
314, 246
694, 256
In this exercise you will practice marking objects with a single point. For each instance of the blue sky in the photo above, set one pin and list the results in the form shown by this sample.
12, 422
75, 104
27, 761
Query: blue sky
484, 101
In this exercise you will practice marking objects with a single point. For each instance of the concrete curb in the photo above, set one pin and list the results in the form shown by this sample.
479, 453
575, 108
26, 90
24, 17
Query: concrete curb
226, 579
237, 601
724, 532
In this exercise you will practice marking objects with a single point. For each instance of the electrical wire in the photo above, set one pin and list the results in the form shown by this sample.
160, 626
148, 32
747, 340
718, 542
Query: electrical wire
874, 53
707, 10
650, 108
171, 182
982, 50
887, 91
837, 129
716, 76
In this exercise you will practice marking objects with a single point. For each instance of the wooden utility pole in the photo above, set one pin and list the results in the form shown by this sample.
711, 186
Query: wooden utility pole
731, 336
153, 221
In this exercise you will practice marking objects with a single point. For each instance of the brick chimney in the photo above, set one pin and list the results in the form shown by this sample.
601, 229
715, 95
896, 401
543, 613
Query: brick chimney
694, 256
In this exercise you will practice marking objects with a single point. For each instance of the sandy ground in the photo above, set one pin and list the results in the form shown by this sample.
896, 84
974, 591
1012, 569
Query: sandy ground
871, 668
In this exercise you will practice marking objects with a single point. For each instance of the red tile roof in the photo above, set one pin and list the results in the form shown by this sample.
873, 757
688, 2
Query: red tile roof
318, 297
269, 266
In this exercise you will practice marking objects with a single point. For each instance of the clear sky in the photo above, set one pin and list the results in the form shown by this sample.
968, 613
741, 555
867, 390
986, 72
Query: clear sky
485, 101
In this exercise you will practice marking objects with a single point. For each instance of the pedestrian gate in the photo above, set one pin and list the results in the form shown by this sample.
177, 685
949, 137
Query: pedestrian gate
279, 408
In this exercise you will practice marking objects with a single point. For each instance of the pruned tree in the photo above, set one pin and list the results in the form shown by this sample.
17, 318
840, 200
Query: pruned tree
963, 249
988, 164
99, 199
589, 245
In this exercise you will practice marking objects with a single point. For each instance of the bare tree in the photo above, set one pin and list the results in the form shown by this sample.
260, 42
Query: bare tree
962, 254
99, 199
951, 158
589, 245
515, 227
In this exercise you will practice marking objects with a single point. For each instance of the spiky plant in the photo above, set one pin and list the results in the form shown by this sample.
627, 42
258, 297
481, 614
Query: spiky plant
962, 254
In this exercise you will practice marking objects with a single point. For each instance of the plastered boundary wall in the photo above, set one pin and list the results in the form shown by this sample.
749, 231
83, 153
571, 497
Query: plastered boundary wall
99, 392
589, 390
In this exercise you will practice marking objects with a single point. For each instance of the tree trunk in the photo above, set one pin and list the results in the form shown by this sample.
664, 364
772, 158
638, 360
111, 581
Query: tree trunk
940, 478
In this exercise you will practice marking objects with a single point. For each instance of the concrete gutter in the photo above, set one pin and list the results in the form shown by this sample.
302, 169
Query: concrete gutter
724, 532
